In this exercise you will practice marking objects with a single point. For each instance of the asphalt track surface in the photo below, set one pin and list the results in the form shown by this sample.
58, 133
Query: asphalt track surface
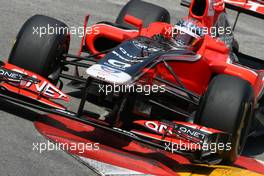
17, 133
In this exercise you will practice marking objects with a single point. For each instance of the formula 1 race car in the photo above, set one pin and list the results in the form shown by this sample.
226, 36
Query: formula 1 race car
163, 85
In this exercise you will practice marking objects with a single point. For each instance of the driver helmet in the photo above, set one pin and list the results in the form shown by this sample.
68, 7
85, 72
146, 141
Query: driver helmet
187, 32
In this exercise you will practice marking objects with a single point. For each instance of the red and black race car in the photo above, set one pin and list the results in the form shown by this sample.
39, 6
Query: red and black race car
164, 85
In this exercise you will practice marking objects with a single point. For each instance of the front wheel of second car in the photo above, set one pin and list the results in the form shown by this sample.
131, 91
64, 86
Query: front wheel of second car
40, 45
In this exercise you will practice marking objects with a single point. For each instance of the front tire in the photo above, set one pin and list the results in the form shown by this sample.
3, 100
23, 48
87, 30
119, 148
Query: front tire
40, 54
228, 106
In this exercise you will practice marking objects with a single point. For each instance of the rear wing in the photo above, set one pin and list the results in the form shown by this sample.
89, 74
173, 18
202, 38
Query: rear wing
251, 7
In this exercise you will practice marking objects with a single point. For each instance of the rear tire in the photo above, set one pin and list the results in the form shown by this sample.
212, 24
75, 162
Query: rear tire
40, 54
143, 10
228, 106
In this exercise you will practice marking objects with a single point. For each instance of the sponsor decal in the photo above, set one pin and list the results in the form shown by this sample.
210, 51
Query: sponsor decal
43, 87
126, 53
158, 127
191, 132
11, 74
46, 89
107, 73
118, 64
130, 58
103, 71
139, 45
16, 76
110, 70
163, 129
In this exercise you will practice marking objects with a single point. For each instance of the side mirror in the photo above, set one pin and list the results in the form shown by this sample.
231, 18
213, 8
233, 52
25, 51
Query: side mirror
134, 21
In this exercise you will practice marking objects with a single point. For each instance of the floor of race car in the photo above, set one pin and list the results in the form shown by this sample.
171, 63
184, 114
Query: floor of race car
17, 133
